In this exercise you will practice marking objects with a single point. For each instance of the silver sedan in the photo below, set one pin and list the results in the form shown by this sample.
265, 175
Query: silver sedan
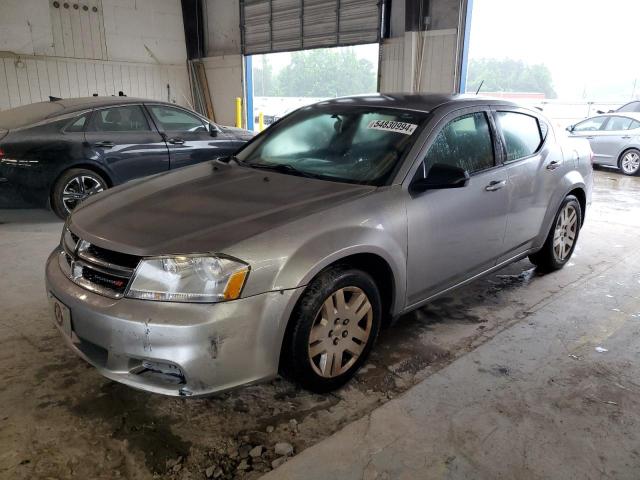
614, 139
290, 257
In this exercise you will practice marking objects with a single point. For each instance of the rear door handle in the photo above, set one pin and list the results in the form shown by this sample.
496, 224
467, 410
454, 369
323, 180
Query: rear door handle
590, 137
175, 141
553, 165
105, 144
495, 185
626, 137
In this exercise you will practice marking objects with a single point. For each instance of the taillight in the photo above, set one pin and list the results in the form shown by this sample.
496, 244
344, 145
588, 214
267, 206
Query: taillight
1, 154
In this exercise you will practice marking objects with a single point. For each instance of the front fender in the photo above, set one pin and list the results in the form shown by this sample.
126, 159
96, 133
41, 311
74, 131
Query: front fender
332, 247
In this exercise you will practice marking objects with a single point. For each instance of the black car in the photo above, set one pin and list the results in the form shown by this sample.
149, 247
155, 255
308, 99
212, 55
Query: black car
57, 153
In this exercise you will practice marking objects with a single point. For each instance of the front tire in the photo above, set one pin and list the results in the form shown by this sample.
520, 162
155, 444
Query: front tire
561, 240
333, 329
74, 186
630, 162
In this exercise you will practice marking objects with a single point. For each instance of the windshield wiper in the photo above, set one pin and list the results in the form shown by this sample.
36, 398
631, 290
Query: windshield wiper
282, 168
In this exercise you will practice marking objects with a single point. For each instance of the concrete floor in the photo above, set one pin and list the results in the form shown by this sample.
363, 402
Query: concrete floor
497, 380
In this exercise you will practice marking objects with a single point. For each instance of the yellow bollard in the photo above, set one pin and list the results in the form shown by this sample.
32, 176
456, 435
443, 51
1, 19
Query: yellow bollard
260, 121
238, 112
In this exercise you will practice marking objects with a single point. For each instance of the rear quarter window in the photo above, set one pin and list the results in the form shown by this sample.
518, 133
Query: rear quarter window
522, 134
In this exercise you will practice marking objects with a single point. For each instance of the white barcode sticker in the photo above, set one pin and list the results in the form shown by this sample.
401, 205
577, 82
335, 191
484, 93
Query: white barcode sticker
391, 126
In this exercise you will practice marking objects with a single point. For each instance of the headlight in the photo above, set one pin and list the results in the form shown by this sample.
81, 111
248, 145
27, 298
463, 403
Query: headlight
189, 279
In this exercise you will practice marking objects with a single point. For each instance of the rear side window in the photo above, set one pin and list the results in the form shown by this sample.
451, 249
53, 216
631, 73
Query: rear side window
521, 134
77, 124
463, 142
128, 118
618, 123
634, 124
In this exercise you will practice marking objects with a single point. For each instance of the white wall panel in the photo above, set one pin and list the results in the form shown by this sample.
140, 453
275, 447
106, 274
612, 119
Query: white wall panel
403, 68
224, 75
33, 79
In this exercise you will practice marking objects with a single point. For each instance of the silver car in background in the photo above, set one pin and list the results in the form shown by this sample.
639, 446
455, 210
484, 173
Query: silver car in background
289, 257
614, 139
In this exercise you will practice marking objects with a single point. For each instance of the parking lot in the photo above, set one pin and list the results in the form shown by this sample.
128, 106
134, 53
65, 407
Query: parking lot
60, 419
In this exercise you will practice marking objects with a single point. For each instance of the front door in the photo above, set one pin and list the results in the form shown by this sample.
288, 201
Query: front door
190, 139
456, 233
122, 139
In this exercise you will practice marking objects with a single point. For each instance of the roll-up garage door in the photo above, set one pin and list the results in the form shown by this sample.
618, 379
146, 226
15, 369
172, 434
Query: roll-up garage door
282, 25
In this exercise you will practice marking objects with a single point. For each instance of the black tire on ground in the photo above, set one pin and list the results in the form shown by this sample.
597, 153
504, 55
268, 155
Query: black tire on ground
635, 153
311, 310
547, 258
89, 176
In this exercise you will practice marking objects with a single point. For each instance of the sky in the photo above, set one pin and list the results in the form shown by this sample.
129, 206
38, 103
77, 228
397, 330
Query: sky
590, 47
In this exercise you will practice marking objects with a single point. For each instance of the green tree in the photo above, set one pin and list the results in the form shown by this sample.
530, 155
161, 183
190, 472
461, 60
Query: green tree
319, 73
265, 83
509, 76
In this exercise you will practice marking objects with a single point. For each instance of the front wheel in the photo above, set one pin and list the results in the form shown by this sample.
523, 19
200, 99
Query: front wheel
334, 327
562, 239
630, 162
73, 186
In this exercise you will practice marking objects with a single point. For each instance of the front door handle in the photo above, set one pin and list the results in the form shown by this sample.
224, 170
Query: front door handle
626, 137
104, 144
590, 137
175, 141
495, 185
553, 165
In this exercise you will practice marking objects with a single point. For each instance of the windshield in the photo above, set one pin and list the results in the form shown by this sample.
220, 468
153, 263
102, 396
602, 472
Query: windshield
355, 145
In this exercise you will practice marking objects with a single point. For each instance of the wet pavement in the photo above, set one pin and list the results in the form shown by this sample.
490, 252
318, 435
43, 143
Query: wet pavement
60, 419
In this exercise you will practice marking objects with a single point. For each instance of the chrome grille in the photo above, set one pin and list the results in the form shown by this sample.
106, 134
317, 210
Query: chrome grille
102, 271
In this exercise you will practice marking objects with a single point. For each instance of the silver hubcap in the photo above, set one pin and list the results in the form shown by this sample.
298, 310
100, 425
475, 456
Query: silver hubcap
631, 162
564, 235
79, 188
340, 332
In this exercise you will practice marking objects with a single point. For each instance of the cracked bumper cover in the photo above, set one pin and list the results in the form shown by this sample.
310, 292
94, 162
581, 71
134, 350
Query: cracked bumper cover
213, 347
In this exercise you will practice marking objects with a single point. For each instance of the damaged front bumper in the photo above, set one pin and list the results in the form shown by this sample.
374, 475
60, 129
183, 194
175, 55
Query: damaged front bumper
174, 348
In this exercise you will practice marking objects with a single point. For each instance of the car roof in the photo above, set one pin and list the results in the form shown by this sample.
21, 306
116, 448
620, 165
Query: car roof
422, 102
39, 111
632, 115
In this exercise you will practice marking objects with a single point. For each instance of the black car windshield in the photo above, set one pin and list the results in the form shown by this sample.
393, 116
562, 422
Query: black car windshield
355, 144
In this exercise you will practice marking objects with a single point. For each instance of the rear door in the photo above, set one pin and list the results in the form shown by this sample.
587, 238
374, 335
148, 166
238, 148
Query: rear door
534, 170
456, 233
122, 138
190, 139
615, 137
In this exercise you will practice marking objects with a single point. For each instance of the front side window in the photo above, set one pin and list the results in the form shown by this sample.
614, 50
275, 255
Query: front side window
171, 119
521, 134
349, 144
590, 125
464, 142
617, 124
128, 118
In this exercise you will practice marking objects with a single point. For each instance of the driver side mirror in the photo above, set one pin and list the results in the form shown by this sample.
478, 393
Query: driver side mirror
441, 176
570, 128
213, 130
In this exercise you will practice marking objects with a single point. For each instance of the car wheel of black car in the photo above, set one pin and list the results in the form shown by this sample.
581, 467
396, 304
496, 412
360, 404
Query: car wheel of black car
73, 187
333, 329
562, 238
630, 162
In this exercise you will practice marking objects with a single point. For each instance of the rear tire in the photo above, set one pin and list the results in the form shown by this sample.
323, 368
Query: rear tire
562, 238
74, 186
332, 329
630, 162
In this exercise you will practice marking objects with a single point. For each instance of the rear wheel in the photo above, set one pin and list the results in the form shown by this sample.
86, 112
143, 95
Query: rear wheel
334, 328
562, 239
73, 186
630, 162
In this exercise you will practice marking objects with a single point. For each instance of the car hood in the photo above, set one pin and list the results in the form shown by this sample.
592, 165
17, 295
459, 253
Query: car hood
239, 133
204, 208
